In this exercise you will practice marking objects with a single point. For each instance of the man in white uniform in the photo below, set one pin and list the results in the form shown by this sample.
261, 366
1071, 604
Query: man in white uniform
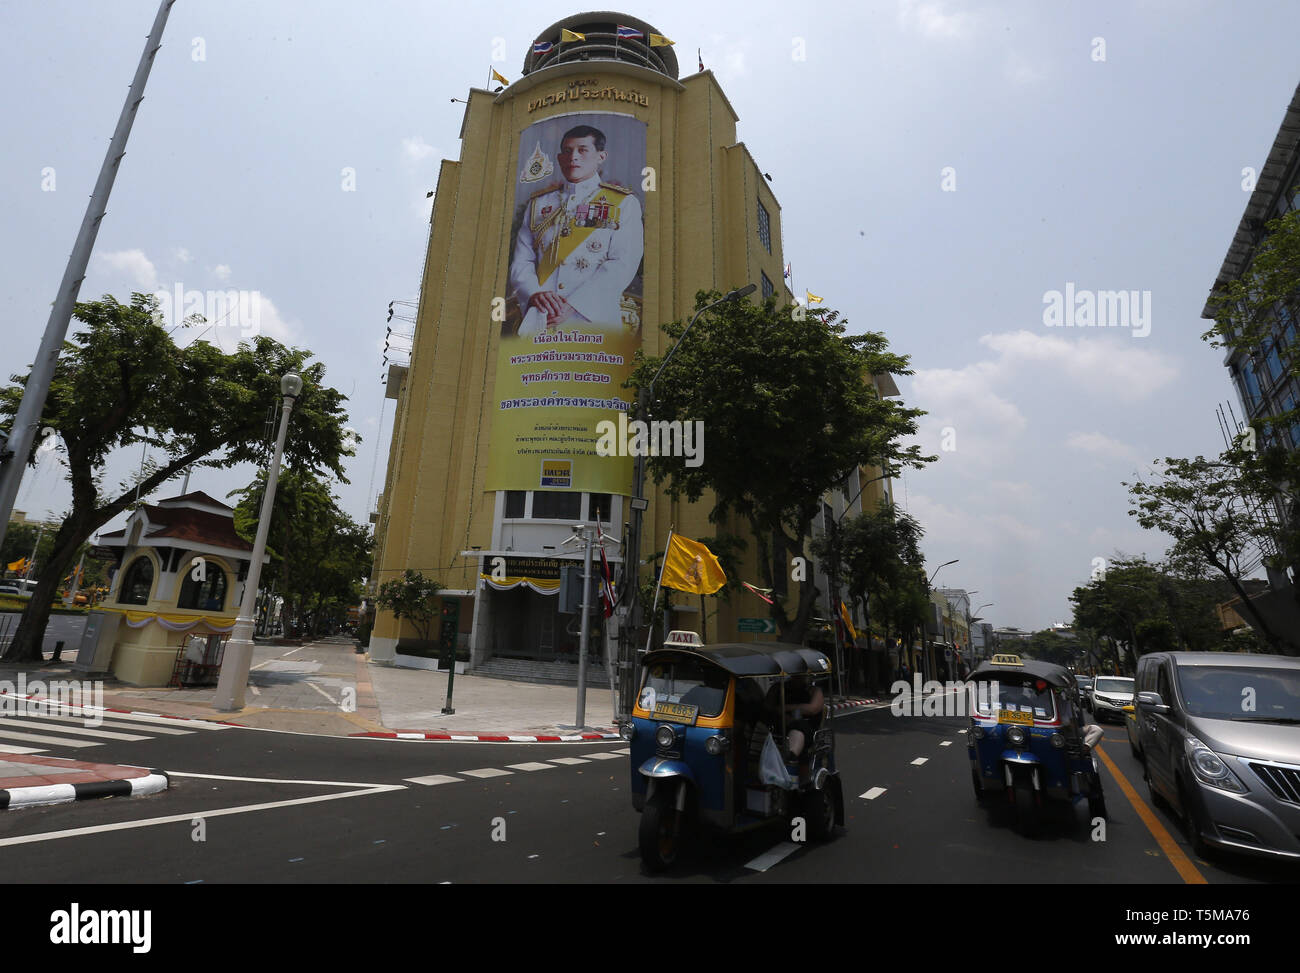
579, 243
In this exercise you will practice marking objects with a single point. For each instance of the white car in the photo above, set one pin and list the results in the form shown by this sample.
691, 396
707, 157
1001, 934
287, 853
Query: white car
1110, 694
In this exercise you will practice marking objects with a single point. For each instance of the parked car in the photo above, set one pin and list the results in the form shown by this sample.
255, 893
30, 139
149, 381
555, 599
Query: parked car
1085, 687
1109, 696
1220, 738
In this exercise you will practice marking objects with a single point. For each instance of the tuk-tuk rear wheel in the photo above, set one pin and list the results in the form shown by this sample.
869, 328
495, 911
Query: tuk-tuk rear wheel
659, 837
819, 812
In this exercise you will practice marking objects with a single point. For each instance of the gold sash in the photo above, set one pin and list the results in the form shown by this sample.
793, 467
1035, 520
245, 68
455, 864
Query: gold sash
554, 246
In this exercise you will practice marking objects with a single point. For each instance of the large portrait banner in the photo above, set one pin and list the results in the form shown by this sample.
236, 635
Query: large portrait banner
573, 311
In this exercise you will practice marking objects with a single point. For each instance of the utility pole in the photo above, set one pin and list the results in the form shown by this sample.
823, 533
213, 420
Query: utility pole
13, 457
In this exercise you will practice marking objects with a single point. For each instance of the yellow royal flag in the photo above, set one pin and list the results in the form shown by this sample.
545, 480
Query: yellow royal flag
19, 565
659, 40
571, 35
848, 622
496, 76
813, 298
690, 566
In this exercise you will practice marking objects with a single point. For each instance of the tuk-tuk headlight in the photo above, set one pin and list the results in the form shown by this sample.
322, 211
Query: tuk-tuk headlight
1016, 735
978, 733
1058, 741
627, 730
714, 745
665, 737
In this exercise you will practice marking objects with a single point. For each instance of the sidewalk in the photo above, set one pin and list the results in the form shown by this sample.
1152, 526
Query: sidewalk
327, 688
29, 780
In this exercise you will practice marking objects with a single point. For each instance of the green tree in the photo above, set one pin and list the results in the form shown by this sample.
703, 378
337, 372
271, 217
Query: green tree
1202, 505
412, 596
789, 411
122, 382
318, 553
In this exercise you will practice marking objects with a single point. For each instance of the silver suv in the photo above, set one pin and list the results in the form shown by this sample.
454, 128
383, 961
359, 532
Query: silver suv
1219, 735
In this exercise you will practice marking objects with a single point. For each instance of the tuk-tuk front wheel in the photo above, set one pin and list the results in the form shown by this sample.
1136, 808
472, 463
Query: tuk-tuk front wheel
819, 812
1026, 807
975, 782
660, 834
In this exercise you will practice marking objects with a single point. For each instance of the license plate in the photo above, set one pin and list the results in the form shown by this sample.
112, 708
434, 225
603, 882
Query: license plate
675, 712
1011, 716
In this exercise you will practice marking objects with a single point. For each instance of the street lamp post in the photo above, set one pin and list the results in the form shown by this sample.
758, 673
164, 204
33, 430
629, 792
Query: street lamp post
925, 629
970, 620
632, 561
238, 657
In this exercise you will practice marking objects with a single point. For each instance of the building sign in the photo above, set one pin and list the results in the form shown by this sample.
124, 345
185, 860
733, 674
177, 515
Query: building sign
574, 299
588, 90
542, 574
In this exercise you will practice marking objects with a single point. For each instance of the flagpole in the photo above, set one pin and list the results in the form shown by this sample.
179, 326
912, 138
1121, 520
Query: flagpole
650, 629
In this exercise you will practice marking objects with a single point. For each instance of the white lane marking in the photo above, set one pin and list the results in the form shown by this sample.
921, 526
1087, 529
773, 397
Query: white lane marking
872, 794
81, 731
602, 756
433, 779
625, 752
568, 760
254, 690
920, 760
959, 732
191, 815
531, 766
292, 651
282, 780
946, 743
37, 738
486, 772
773, 855
323, 693
10, 748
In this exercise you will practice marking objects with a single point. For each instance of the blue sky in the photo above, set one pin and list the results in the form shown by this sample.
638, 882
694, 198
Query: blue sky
1115, 174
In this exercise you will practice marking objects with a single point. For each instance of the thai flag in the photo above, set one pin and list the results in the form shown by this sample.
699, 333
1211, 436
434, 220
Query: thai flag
606, 584
787, 271
629, 34
541, 47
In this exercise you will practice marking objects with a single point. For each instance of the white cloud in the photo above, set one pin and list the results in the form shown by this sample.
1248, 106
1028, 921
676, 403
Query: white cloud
272, 324
415, 150
1018, 70
1107, 367
1102, 445
221, 272
932, 19
135, 264
182, 255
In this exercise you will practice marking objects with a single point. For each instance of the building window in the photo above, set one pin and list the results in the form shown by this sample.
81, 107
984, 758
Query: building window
767, 285
1250, 385
515, 504
557, 505
764, 228
206, 595
137, 584
598, 507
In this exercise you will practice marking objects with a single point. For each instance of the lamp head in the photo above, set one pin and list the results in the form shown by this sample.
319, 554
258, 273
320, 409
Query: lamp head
291, 385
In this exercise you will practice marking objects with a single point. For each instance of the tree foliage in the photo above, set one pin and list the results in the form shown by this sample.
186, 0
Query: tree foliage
413, 597
319, 555
121, 381
789, 411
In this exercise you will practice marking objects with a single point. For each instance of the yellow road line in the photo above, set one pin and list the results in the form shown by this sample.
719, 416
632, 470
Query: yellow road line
1177, 857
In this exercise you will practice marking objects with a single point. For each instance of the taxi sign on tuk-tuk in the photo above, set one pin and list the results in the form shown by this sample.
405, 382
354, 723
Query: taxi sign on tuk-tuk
1008, 660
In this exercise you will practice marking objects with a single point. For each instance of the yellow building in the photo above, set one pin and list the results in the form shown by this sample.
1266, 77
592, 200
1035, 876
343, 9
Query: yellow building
593, 197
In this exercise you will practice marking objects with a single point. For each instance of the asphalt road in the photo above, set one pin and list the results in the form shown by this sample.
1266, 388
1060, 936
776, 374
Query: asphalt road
263, 806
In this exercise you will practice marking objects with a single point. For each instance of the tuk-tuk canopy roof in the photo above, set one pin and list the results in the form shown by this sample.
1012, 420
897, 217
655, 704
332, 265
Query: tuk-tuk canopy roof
752, 658
1049, 672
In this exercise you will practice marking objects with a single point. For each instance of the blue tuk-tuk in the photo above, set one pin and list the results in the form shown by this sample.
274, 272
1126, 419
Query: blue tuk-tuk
709, 738
1028, 739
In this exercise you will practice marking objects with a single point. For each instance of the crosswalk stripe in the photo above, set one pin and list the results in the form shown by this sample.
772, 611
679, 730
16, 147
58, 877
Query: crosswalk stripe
80, 710
57, 741
28, 723
9, 748
603, 755
533, 765
486, 772
111, 724
872, 794
433, 779
568, 760
770, 857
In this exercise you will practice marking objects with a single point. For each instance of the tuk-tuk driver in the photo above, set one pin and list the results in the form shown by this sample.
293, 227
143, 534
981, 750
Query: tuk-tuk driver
804, 703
